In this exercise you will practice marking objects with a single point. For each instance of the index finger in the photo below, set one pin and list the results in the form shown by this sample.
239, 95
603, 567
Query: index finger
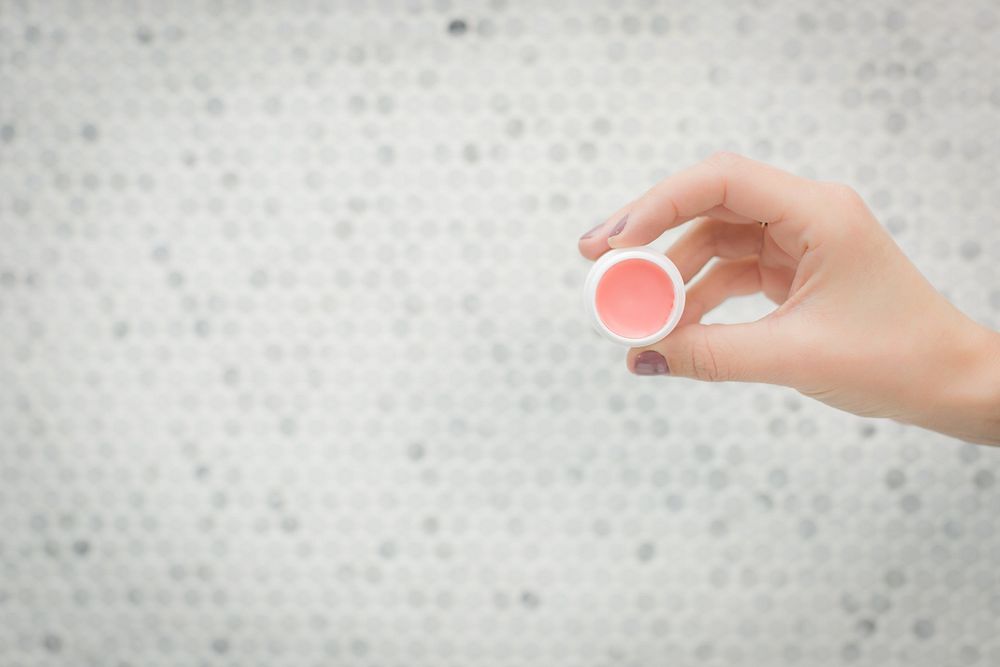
752, 191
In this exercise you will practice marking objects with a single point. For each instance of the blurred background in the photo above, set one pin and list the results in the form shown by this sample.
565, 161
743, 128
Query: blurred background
294, 370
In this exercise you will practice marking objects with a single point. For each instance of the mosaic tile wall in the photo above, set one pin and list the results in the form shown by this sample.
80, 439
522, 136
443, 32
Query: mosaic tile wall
293, 369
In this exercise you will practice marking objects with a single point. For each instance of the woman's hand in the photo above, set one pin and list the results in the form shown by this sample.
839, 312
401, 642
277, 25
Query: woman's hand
857, 325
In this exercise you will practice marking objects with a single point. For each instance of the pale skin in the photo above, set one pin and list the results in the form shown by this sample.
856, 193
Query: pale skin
857, 325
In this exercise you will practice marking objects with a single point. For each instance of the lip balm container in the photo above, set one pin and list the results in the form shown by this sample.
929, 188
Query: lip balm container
634, 296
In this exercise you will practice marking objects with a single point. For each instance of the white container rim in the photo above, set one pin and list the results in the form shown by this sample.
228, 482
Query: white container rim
613, 257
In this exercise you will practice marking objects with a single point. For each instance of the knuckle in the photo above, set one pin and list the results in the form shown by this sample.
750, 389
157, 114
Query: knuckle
724, 159
850, 212
705, 359
846, 196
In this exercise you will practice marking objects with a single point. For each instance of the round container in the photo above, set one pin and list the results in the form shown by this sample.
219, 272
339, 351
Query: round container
634, 296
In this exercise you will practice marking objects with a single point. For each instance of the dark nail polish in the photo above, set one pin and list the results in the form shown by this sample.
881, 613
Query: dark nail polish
651, 362
592, 231
617, 229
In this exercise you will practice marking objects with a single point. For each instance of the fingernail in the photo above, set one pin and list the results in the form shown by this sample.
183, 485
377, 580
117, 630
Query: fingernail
651, 362
592, 231
617, 229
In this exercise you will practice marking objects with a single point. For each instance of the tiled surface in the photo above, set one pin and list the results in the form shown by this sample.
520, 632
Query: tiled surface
293, 369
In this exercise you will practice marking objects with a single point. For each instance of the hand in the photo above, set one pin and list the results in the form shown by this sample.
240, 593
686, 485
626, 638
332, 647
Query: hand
857, 326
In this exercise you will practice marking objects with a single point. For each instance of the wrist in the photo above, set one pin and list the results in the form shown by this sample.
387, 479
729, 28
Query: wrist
967, 402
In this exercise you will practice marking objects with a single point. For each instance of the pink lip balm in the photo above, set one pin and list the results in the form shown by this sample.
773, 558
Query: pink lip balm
635, 296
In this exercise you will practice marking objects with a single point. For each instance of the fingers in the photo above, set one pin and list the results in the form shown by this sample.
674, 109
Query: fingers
724, 214
746, 189
751, 352
710, 238
594, 242
726, 278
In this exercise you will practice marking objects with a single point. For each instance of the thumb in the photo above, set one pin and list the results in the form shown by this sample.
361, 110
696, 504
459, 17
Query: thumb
750, 352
